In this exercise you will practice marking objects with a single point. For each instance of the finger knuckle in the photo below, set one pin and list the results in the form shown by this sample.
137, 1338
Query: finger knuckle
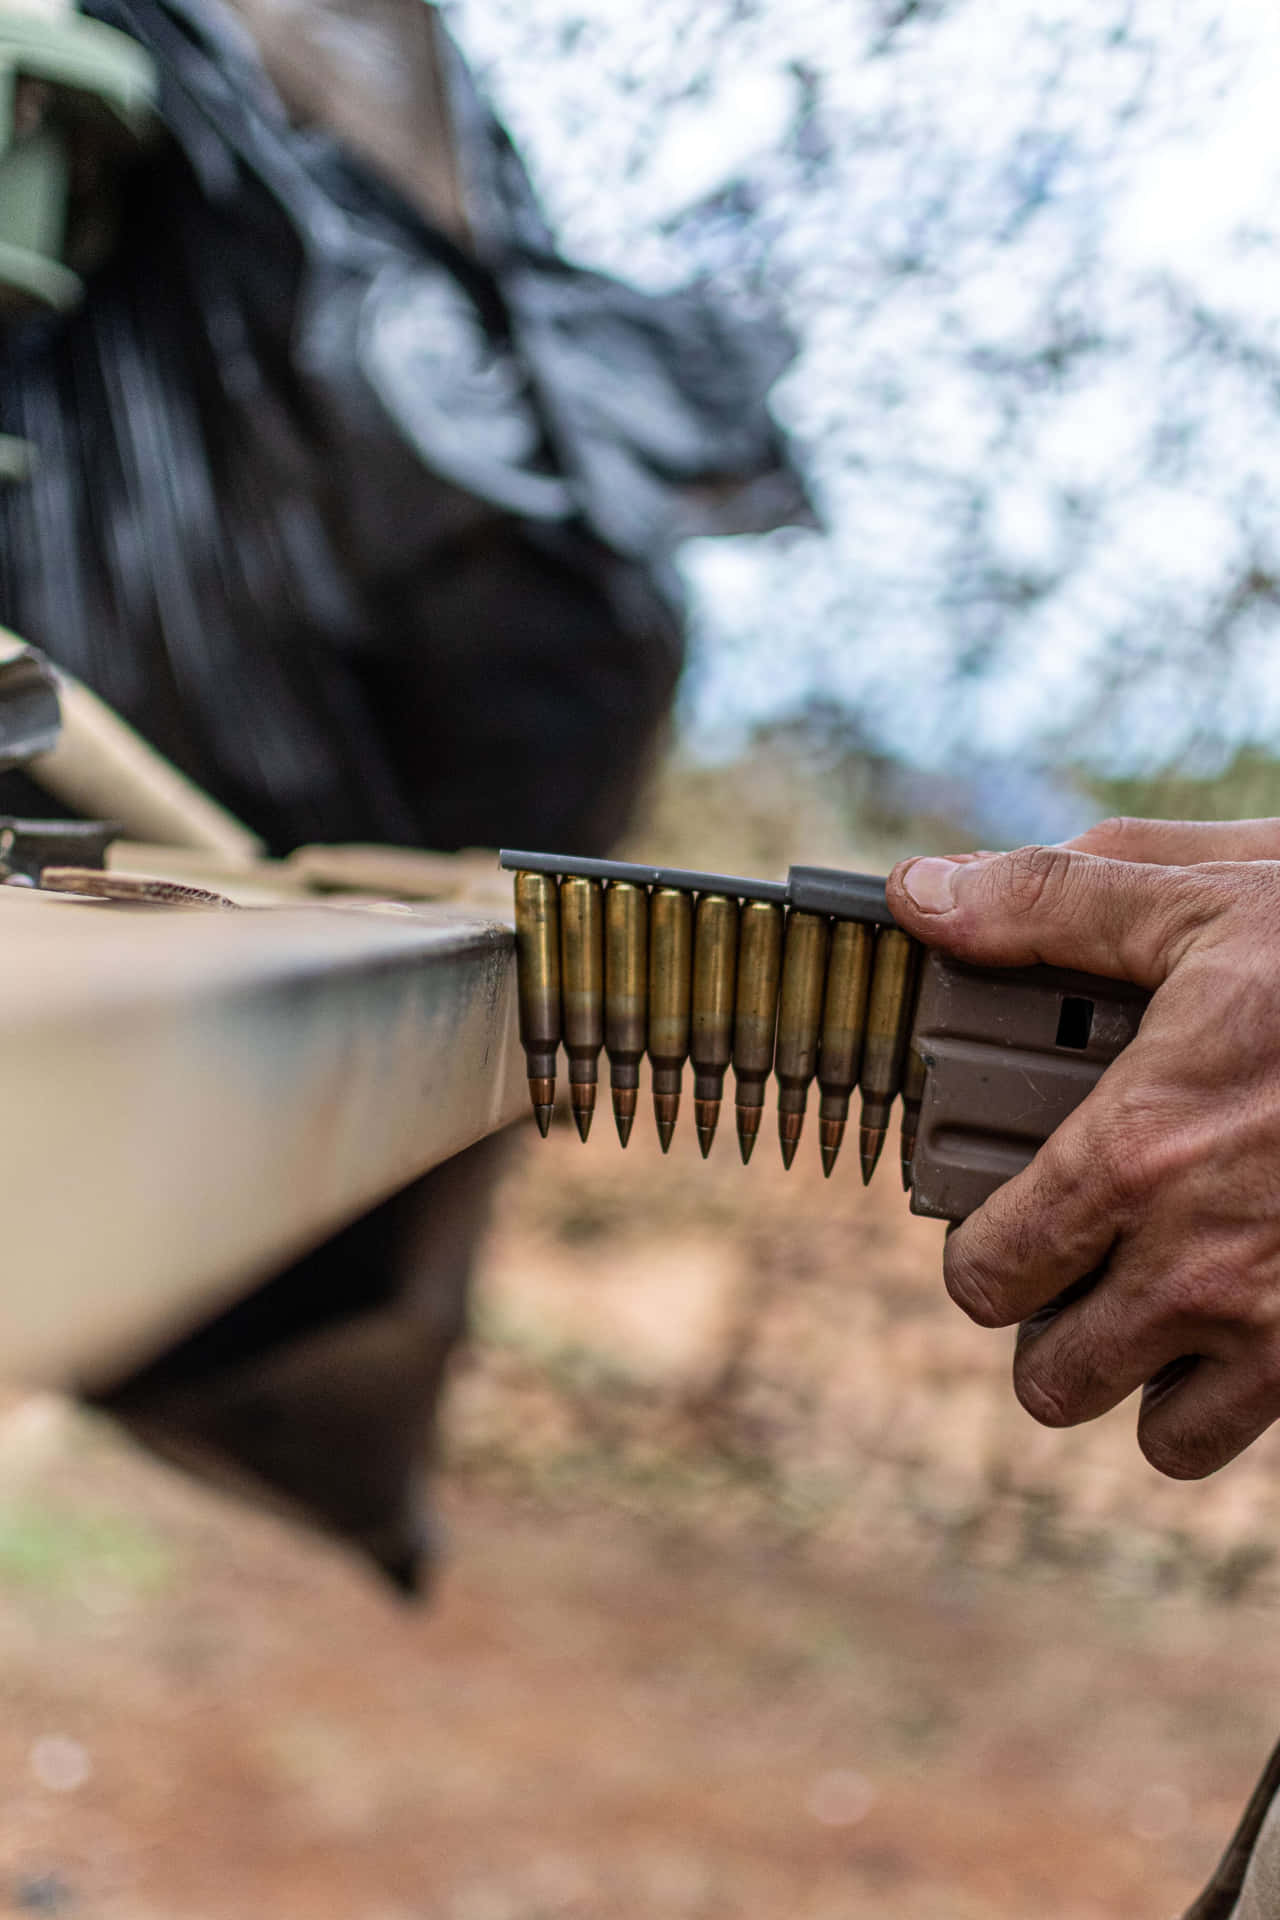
1138, 1153
1134, 1174
1041, 1395
975, 1289
1179, 1456
1256, 1314
1036, 877
1116, 831
1191, 1296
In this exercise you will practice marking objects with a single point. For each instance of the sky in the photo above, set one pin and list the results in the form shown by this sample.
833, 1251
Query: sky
934, 210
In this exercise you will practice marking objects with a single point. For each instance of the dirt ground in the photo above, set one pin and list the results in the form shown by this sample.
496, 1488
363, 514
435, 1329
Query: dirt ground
761, 1603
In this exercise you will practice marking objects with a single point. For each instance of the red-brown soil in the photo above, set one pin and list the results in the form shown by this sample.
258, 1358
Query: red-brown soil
763, 1602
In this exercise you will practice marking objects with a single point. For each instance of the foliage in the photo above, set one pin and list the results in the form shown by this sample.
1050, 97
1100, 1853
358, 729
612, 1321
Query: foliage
1247, 788
1027, 248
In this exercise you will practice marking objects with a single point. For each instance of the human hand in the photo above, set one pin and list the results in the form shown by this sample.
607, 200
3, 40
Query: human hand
1180, 843
1163, 1187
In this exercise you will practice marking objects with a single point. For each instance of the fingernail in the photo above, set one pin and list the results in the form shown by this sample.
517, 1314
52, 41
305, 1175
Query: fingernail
931, 885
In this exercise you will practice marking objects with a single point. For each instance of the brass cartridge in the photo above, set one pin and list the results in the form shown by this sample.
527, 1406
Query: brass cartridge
888, 1021
582, 990
626, 995
670, 986
755, 1020
804, 971
844, 1026
538, 986
971, 1120
715, 969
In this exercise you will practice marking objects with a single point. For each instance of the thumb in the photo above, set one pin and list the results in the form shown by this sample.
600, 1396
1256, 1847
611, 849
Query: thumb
1060, 907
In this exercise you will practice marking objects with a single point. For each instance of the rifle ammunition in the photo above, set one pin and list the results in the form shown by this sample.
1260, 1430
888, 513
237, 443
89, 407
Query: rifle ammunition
888, 1020
825, 980
626, 995
582, 990
804, 970
844, 1026
670, 983
538, 975
755, 1014
715, 967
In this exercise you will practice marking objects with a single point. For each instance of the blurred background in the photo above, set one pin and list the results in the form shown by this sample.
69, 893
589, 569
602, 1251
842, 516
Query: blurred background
1029, 256
762, 1600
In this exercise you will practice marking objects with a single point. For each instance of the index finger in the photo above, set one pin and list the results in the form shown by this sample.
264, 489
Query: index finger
1041, 1232
1180, 843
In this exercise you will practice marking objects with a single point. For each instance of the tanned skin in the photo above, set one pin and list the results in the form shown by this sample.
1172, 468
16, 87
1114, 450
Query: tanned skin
1155, 1208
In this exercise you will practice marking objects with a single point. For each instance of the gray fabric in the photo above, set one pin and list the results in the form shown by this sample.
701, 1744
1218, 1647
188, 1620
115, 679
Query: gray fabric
370, 72
1260, 1895
1245, 1882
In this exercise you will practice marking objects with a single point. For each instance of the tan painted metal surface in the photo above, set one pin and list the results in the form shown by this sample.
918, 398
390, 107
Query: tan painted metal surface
101, 768
191, 1096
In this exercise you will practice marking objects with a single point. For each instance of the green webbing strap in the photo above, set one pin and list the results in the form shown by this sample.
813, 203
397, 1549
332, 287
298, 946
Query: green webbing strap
83, 55
95, 71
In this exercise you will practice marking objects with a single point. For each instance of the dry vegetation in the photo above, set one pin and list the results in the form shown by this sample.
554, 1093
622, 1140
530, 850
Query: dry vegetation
764, 1600
785, 1340
750, 1347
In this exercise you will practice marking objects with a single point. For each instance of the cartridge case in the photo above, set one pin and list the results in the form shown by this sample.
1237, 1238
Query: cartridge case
538, 986
670, 995
582, 990
626, 995
844, 1026
888, 1020
715, 972
755, 1020
804, 972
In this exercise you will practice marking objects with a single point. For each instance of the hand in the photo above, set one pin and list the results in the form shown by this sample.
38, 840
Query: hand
1163, 1187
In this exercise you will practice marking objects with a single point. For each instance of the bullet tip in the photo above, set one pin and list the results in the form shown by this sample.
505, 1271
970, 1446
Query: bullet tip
870, 1145
831, 1134
624, 1111
748, 1121
666, 1107
542, 1092
582, 1095
788, 1151
706, 1115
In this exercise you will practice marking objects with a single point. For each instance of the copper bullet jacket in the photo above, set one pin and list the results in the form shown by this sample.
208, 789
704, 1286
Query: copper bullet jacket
804, 972
755, 1021
626, 995
538, 985
582, 990
670, 999
715, 971
889, 1011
